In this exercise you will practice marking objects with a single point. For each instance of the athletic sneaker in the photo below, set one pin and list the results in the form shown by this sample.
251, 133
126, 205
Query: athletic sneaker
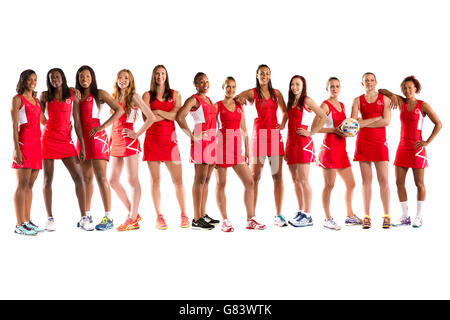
330, 224
105, 224
85, 224
128, 225
90, 221
24, 230
51, 225
184, 221
353, 221
34, 227
226, 226
418, 222
301, 220
210, 220
280, 221
252, 224
201, 224
367, 223
160, 222
387, 222
402, 221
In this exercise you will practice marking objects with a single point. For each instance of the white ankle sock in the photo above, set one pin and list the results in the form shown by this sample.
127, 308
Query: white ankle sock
420, 205
404, 206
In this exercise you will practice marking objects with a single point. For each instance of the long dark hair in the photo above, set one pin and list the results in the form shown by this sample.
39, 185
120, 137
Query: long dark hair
51, 89
303, 94
258, 87
167, 91
93, 87
21, 85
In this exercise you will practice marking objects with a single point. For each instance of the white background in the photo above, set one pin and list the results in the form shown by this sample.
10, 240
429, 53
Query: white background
316, 39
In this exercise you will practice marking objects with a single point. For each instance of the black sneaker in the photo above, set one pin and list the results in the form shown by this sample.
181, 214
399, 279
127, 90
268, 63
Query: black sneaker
210, 220
201, 224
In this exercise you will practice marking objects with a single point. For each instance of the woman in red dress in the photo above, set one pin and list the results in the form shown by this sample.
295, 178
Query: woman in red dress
203, 147
26, 116
266, 139
411, 149
95, 140
229, 155
59, 105
125, 147
160, 143
371, 145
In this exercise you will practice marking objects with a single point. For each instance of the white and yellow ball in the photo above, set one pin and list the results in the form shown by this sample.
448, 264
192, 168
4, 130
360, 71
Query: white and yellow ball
350, 127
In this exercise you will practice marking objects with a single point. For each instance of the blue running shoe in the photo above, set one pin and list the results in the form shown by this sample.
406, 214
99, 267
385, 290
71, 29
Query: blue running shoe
24, 230
301, 220
105, 224
35, 228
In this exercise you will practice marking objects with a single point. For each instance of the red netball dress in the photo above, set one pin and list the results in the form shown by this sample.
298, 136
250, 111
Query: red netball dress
96, 147
299, 149
408, 155
371, 144
266, 138
333, 153
229, 140
57, 138
29, 135
161, 139
204, 151
121, 146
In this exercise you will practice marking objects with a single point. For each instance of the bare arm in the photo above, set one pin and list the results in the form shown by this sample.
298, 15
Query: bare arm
15, 106
43, 103
245, 96
437, 125
386, 117
146, 99
282, 106
171, 115
245, 136
396, 100
77, 125
355, 111
114, 105
321, 117
189, 104
138, 103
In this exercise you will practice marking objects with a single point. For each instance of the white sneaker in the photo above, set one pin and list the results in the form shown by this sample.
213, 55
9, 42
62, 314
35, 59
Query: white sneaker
226, 226
280, 221
330, 224
418, 222
51, 225
85, 224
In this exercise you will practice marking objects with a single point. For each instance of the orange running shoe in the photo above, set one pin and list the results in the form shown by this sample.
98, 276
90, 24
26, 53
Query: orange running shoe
160, 222
185, 221
128, 225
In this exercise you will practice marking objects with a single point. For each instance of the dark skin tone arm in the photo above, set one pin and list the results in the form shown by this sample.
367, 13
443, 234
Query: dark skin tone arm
428, 111
77, 125
114, 105
396, 99
15, 106
245, 136
42, 103
191, 103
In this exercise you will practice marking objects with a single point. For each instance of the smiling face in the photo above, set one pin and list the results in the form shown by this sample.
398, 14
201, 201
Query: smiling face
334, 88
85, 79
369, 82
160, 76
202, 84
409, 90
30, 83
263, 76
55, 79
123, 80
296, 86
229, 87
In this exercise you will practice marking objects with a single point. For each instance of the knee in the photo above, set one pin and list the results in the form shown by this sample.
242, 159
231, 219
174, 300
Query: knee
328, 186
383, 182
207, 179
221, 184
420, 185
48, 179
277, 178
400, 183
113, 181
87, 179
200, 179
249, 184
134, 182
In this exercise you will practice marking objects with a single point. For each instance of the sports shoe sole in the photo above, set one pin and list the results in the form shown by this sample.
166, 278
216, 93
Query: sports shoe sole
332, 229
304, 225
202, 229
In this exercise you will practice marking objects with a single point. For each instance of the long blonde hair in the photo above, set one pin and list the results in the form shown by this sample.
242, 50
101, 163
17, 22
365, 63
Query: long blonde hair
131, 91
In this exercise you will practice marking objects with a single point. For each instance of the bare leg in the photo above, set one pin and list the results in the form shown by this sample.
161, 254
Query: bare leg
206, 189
400, 179
276, 166
329, 177
88, 176
132, 166
366, 175
256, 166
419, 179
293, 168
99, 167
23, 178
154, 168
221, 180
201, 172
176, 173
29, 194
383, 180
349, 181
48, 166
117, 164
73, 165
245, 175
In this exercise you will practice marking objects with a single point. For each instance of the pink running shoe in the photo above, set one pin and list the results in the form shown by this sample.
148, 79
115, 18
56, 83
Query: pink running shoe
185, 221
226, 226
252, 224
160, 222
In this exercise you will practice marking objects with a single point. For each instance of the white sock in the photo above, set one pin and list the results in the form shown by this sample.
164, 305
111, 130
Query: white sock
404, 206
108, 214
420, 205
307, 214
88, 214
